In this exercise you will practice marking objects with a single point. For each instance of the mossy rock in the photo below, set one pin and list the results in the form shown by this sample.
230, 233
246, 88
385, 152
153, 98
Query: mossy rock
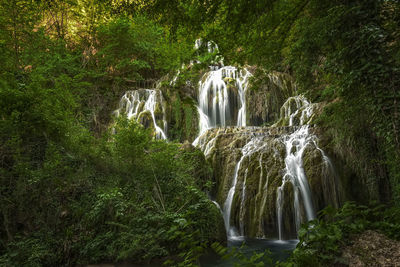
322, 179
224, 166
158, 111
265, 96
182, 116
217, 231
145, 118
256, 224
229, 80
262, 180
141, 106
288, 214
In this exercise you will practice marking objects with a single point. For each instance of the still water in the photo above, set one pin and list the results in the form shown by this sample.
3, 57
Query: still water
280, 250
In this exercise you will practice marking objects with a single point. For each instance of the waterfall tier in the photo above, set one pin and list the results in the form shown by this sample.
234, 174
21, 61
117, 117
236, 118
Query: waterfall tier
147, 106
221, 98
269, 180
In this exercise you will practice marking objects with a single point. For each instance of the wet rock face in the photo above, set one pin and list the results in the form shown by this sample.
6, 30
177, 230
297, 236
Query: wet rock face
264, 98
146, 119
261, 172
322, 179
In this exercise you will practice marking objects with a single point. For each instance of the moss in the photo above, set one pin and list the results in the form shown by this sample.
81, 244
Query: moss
267, 94
160, 123
141, 106
282, 122
191, 122
158, 111
145, 119
188, 119
217, 231
177, 108
182, 117
288, 217
228, 80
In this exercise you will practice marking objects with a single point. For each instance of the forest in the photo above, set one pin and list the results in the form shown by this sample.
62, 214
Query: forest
181, 133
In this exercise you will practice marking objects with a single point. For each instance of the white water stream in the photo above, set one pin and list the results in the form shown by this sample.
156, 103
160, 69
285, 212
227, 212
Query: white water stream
294, 173
221, 98
254, 145
137, 103
242, 204
295, 145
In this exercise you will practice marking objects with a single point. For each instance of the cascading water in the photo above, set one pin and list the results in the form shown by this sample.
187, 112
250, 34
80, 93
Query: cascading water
279, 152
271, 159
242, 206
221, 98
262, 183
142, 103
251, 147
294, 173
262, 191
295, 145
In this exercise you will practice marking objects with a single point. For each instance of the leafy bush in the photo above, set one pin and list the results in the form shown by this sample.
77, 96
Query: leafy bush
321, 240
131, 198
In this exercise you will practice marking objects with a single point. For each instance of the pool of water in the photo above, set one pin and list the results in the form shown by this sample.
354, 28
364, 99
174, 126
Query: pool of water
280, 250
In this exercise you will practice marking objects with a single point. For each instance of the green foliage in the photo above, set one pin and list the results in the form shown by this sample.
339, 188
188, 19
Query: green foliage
183, 117
70, 192
129, 197
321, 240
240, 259
127, 48
136, 49
340, 51
73, 194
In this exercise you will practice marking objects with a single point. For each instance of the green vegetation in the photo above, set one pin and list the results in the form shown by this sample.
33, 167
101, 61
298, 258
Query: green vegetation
238, 258
322, 240
73, 193
343, 52
70, 192
122, 198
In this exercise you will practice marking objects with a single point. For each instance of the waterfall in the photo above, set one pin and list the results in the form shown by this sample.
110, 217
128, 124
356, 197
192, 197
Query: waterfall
255, 166
280, 151
147, 107
221, 98
270, 159
263, 191
294, 173
228, 202
221, 93
297, 111
242, 206
279, 207
254, 145
295, 144
211, 46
